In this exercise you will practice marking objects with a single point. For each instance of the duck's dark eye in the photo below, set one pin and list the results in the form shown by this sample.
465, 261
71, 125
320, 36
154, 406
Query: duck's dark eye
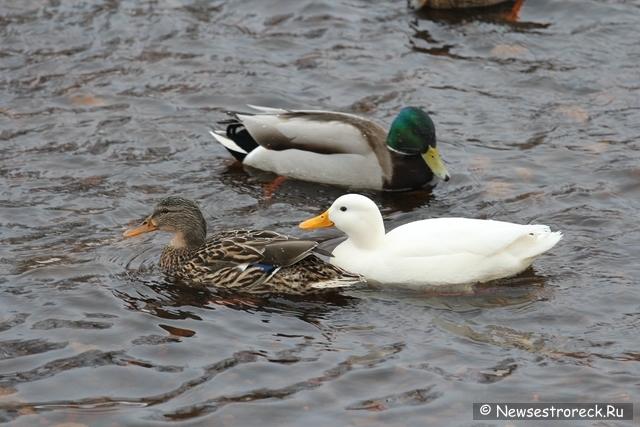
343, 208
164, 210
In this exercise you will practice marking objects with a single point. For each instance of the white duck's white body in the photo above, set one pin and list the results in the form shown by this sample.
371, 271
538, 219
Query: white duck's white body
435, 252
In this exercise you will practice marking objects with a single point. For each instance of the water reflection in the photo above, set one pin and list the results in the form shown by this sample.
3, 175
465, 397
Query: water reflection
303, 195
166, 296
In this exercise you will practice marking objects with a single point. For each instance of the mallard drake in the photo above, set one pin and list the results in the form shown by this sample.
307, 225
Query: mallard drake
243, 261
337, 148
436, 252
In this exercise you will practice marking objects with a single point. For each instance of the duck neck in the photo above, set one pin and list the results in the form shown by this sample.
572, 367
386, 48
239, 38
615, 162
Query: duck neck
173, 258
368, 234
190, 239
182, 247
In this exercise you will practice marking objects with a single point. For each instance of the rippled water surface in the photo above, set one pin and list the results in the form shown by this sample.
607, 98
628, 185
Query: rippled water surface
105, 108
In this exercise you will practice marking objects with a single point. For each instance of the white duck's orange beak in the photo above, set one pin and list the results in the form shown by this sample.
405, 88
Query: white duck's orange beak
320, 221
145, 227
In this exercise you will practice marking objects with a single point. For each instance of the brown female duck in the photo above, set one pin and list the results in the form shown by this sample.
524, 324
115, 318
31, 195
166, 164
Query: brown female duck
244, 261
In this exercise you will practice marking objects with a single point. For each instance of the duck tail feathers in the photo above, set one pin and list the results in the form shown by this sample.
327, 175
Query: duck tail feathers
537, 241
236, 139
340, 282
238, 152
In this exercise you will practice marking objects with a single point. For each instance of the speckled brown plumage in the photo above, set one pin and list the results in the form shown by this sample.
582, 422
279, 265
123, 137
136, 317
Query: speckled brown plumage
243, 261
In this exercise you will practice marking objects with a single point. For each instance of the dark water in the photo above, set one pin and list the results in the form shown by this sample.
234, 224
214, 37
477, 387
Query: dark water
105, 108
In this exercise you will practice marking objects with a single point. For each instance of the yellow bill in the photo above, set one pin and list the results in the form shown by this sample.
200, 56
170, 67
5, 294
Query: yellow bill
435, 164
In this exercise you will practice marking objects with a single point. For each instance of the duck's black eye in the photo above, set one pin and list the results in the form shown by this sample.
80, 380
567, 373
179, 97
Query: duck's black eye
343, 208
164, 210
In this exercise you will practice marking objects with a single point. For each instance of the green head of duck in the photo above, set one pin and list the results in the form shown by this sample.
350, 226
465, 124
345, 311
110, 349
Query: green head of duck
413, 132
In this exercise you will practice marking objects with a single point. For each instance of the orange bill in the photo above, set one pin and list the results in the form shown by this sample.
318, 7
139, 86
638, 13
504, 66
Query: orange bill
145, 227
318, 222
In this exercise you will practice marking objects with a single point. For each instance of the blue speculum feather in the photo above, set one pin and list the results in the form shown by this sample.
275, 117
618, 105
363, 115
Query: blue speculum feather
264, 267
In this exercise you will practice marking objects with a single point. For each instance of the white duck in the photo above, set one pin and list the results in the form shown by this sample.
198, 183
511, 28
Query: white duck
435, 252
337, 148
